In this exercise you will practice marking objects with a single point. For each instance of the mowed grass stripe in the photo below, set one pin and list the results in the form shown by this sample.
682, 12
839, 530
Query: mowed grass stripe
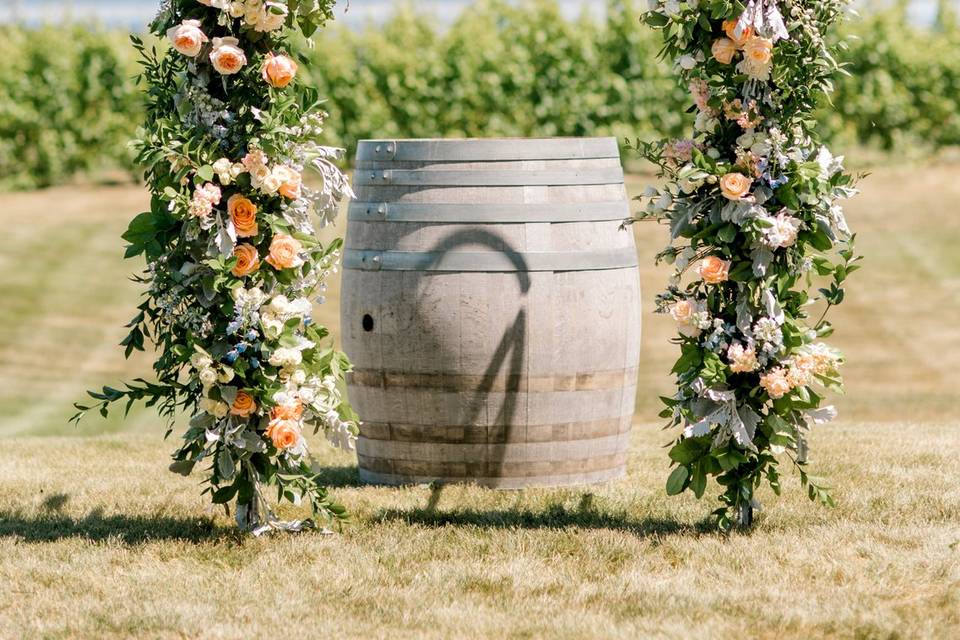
67, 298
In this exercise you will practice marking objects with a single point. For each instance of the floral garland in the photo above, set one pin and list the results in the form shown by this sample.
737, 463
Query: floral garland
751, 202
232, 256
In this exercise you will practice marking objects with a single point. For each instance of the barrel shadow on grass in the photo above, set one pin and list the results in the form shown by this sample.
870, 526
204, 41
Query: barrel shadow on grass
97, 527
340, 477
553, 517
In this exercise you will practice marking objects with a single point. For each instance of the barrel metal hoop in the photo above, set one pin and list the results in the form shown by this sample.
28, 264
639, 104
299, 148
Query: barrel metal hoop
487, 150
490, 261
418, 178
489, 213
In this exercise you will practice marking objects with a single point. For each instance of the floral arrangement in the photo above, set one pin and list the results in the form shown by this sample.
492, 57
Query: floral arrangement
751, 200
233, 263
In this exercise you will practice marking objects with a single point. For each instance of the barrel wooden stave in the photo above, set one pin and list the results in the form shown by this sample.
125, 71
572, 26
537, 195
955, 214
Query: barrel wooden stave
434, 408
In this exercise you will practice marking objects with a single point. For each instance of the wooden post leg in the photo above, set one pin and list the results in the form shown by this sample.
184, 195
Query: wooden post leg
745, 514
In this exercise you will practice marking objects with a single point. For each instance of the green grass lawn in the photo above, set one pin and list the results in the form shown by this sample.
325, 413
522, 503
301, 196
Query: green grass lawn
97, 540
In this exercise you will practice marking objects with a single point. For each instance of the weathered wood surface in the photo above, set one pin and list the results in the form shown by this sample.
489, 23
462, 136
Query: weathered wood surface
509, 378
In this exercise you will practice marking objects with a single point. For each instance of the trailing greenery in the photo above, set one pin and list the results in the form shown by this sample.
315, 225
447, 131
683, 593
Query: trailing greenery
499, 70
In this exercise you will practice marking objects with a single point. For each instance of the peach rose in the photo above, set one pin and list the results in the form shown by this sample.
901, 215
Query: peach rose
775, 384
682, 312
284, 252
290, 182
279, 71
244, 215
723, 50
227, 58
734, 186
730, 28
248, 260
758, 50
287, 412
243, 405
285, 434
714, 270
187, 38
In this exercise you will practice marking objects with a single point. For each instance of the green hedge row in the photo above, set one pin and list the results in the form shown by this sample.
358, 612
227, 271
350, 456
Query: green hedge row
68, 100
68, 104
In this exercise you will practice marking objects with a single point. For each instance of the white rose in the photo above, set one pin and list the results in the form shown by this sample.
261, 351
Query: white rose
687, 62
280, 305
307, 395
208, 377
224, 170
271, 184
705, 123
200, 361
301, 307
271, 322
298, 377
215, 408
286, 358
270, 21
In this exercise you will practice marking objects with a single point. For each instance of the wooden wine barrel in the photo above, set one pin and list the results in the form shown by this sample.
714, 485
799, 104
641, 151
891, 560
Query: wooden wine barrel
491, 307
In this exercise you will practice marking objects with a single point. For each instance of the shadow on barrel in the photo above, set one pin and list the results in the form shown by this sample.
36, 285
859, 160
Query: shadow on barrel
510, 352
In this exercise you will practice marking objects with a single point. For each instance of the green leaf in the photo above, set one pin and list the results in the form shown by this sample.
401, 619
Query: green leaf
205, 173
225, 465
224, 494
699, 481
689, 450
656, 20
677, 481
183, 467
727, 233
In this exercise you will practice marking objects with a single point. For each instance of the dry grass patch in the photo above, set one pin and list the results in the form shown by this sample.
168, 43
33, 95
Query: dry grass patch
116, 547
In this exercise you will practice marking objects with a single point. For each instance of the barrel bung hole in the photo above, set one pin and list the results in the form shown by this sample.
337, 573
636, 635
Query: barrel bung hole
367, 323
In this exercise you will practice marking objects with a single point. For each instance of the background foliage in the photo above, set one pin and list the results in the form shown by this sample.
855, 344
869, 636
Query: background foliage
69, 100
